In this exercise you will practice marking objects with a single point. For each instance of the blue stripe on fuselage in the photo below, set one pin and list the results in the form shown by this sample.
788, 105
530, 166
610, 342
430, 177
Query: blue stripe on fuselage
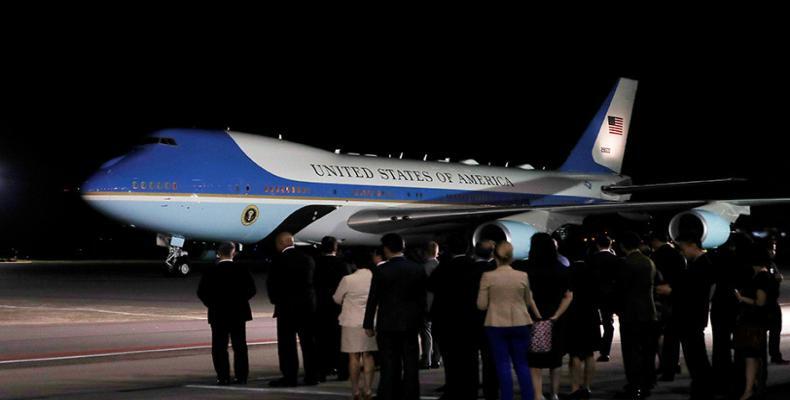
210, 162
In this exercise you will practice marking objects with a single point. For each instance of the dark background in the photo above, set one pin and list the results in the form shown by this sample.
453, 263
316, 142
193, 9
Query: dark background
710, 104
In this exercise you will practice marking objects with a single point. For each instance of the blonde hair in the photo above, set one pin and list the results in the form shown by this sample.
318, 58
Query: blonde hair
503, 253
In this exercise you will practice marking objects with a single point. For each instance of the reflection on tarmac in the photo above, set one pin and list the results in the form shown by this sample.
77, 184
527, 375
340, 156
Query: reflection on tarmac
121, 330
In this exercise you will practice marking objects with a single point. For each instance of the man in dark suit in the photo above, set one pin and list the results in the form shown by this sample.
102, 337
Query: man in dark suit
607, 264
457, 320
671, 265
775, 312
226, 289
730, 262
292, 291
693, 290
329, 270
637, 314
429, 350
397, 299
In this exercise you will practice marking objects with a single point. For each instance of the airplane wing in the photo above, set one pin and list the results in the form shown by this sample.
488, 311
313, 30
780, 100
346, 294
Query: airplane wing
395, 219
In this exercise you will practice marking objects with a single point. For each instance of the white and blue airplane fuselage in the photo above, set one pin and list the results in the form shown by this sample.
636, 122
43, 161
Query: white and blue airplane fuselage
223, 185
201, 186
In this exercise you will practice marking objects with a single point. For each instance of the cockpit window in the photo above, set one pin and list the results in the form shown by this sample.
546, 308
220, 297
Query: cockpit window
157, 140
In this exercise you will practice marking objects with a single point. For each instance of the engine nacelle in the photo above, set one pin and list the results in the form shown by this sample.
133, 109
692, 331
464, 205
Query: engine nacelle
517, 233
714, 229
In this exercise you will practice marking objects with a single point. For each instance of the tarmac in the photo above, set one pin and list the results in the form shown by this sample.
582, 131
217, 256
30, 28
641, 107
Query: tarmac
121, 330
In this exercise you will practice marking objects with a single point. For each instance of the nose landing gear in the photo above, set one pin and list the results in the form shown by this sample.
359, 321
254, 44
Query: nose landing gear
177, 262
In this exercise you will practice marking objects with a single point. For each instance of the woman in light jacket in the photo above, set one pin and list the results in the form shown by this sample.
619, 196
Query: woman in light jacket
352, 294
505, 295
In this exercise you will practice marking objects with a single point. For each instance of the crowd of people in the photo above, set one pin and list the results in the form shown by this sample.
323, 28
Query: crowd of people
481, 315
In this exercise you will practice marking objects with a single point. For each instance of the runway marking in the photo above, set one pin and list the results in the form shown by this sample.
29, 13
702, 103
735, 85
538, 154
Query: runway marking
124, 353
281, 390
267, 390
98, 310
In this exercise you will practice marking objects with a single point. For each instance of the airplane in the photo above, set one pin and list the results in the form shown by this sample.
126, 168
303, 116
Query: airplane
225, 185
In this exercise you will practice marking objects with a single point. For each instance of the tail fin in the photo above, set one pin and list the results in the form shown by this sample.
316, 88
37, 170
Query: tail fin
602, 146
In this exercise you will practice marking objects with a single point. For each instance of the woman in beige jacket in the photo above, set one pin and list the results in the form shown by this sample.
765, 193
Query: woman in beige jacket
506, 298
352, 294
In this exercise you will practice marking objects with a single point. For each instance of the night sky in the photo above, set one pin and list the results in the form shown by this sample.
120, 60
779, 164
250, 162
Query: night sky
706, 108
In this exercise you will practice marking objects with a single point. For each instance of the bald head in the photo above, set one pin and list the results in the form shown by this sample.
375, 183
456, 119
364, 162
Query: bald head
432, 250
283, 240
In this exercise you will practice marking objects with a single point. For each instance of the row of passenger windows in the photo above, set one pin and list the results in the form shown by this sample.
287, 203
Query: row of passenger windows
381, 193
286, 189
471, 197
369, 193
151, 185
156, 185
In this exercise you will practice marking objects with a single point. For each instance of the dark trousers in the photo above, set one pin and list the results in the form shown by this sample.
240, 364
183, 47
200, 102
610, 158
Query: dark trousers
288, 328
638, 340
670, 351
429, 350
607, 320
399, 354
775, 331
490, 379
460, 354
509, 348
722, 321
237, 332
696, 355
327, 341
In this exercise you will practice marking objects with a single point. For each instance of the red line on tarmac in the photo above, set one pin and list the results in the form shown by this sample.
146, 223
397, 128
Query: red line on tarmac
25, 358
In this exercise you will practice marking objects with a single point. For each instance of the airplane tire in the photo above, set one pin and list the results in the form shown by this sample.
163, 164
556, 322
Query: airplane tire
180, 269
183, 269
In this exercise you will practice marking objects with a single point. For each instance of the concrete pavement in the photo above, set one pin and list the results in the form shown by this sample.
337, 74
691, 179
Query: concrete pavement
121, 330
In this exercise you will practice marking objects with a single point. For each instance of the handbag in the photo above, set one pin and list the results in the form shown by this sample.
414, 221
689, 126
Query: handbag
541, 336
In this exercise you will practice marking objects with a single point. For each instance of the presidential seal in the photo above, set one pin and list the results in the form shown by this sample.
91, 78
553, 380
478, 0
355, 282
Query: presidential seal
250, 215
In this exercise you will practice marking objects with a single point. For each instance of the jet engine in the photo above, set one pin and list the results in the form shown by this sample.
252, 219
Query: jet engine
516, 232
713, 229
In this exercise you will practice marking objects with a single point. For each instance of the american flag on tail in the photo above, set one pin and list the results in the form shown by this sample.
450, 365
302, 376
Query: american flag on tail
615, 125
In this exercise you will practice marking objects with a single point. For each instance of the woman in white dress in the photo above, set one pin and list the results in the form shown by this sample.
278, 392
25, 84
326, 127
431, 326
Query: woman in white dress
352, 294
